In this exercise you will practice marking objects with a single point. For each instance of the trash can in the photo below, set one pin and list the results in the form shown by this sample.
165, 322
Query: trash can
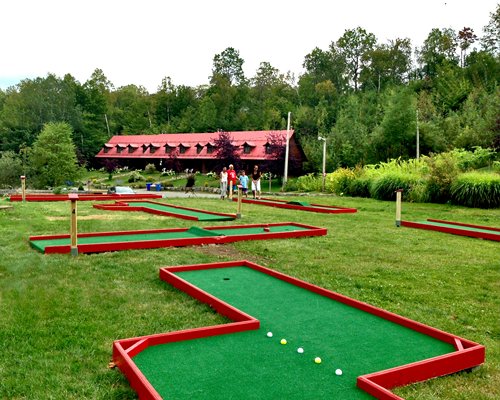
148, 186
158, 187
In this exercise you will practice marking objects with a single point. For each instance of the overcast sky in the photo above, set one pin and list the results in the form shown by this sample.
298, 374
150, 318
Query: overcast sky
141, 41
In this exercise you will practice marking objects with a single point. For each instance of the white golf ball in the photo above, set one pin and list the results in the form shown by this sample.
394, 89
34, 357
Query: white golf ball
300, 350
269, 334
338, 372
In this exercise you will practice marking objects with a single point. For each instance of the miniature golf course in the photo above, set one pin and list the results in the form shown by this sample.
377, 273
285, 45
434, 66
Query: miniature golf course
83, 197
456, 228
375, 350
96, 242
168, 210
299, 205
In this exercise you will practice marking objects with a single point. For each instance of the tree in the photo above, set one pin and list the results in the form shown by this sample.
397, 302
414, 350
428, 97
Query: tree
11, 169
389, 64
491, 38
440, 46
229, 65
354, 47
395, 137
466, 38
225, 151
53, 158
276, 154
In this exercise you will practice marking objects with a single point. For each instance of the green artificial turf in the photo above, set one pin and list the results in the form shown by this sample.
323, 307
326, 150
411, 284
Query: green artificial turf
299, 203
200, 215
230, 365
41, 244
459, 227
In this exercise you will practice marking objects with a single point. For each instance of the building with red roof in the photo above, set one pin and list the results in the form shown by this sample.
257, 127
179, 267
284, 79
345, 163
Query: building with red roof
198, 151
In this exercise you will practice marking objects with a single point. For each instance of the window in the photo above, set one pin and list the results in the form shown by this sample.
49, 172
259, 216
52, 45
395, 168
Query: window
131, 148
210, 148
199, 148
268, 148
182, 149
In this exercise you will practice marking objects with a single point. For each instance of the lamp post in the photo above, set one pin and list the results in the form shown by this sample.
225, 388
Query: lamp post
324, 161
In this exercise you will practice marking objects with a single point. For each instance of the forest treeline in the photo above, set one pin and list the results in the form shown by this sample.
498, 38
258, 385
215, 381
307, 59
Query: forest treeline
367, 98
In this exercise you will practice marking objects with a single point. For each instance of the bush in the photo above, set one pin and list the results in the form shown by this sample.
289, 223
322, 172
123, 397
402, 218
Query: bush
338, 182
10, 170
443, 170
474, 189
360, 186
309, 183
150, 169
384, 187
135, 176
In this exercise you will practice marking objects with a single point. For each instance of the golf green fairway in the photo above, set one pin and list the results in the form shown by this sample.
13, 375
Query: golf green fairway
193, 232
250, 365
459, 227
200, 215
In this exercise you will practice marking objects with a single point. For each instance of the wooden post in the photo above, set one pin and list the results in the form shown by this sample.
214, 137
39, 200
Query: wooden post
398, 207
238, 213
73, 229
230, 190
23, 187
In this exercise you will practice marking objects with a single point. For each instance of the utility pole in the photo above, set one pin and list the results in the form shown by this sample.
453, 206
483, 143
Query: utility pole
418, 139
285, 175
324, 162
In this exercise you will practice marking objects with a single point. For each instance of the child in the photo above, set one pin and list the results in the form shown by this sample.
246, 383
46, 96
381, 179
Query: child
231, 180
244, 182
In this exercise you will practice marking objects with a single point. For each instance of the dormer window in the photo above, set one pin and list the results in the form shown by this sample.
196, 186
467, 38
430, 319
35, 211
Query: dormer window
210, 148
183, 148
132, 148
268, 148
169, 148
199, 148
248, 147
107, 147
120, 148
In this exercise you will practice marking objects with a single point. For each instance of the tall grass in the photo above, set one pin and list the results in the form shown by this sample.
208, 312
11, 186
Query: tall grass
477, 190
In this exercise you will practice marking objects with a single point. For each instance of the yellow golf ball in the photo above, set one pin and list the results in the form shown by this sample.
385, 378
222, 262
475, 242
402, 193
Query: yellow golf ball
283, 341
317, 360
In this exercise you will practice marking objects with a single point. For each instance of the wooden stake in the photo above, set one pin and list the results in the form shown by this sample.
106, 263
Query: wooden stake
23, 187
398, 207
73, 229
240, 195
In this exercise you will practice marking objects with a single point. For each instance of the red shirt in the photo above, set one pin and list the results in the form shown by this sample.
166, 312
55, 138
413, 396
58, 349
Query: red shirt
231, 176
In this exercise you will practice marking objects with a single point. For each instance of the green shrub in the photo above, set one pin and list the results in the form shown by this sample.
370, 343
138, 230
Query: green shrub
135, 176
150, 169
360, 186
338, 181
309, 183
475, 189
443, 170
384, 187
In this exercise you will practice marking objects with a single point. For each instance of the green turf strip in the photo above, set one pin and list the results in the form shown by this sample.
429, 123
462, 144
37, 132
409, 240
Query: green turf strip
459, 227
200, 215
41, 244
249, 365
299, 203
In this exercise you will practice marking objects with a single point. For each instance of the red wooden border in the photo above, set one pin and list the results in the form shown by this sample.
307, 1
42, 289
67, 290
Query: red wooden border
125, 206
454, 231
467, 355
84, 197
312, 207
442, 221
151, 244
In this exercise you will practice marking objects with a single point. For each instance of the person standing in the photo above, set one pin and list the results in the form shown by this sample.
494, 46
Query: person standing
223, 183
231, 180
256, 175
243, 178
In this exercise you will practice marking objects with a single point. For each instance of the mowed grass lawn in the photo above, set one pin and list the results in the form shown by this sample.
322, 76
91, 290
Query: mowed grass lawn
59, 315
